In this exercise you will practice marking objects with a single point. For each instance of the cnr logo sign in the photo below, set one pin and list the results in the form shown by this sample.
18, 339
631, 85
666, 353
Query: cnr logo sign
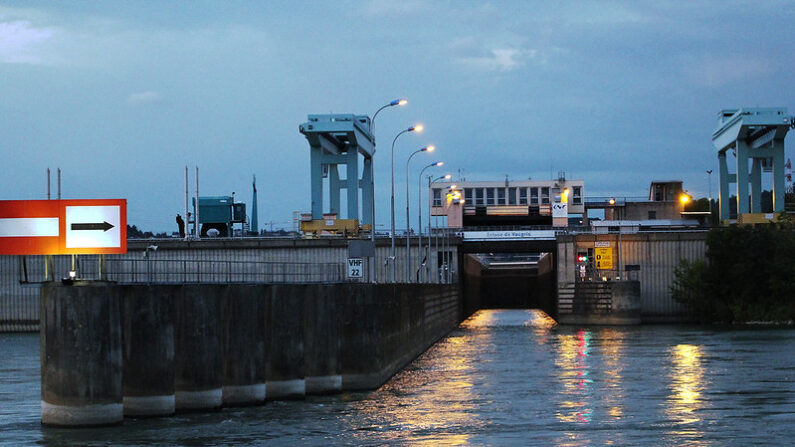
560, 210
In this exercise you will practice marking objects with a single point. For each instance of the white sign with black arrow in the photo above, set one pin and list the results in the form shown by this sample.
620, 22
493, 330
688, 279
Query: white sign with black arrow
93, 226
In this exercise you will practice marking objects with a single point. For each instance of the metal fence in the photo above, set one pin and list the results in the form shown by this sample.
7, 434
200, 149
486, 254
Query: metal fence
170, 271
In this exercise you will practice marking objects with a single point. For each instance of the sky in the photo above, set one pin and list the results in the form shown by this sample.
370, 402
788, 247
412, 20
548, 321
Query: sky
122, 95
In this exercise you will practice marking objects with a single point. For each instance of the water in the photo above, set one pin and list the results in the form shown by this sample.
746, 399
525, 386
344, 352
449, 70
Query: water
502, 378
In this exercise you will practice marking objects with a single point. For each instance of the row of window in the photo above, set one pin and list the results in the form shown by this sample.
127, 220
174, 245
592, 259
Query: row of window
509, 196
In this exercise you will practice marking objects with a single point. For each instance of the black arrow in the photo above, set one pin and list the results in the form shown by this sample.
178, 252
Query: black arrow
104, 226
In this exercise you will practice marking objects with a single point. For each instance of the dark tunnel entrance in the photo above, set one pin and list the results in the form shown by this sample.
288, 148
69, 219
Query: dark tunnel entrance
511, 280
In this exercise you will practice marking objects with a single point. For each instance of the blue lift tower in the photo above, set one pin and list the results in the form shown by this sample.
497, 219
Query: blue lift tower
339, 140
755, 134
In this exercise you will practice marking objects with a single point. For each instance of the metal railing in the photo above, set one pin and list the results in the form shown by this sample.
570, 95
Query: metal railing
590, 274
169, 271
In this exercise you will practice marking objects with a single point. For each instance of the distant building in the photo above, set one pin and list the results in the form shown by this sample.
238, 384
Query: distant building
508, 202
664, 203
664, 207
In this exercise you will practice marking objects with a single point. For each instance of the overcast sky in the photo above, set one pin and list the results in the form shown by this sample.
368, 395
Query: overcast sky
122, 95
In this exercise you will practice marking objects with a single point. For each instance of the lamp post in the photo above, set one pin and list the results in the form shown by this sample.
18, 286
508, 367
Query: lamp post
408, 220
416, 128
419, 214
396, 102
444, 177
709, 179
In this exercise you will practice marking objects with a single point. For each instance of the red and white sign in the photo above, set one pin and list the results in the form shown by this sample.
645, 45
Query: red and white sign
63, 227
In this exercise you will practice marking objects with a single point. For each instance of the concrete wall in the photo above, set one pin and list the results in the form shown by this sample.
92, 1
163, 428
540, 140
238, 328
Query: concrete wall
657, 254
315, 338
256, 260
602, 302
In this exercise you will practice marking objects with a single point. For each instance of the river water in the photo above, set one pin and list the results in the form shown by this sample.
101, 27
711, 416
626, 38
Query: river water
504, 377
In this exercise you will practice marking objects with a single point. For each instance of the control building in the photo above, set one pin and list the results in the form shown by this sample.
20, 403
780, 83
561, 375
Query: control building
508, 202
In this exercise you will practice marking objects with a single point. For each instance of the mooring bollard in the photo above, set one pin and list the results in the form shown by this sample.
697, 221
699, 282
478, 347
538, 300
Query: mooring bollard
81, 354
322, 325
243, 312
148, 335
197, 347
285, 365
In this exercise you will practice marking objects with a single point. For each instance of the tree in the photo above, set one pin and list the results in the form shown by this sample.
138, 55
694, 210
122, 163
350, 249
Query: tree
749, 274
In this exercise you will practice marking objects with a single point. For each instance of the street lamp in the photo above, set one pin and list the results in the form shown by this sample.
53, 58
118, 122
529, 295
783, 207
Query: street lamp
415, 128
709, 177
419, 212
444, 177
408, 221
396, 102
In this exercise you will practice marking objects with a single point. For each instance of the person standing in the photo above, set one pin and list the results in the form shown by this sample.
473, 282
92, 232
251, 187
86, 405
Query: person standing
181, 225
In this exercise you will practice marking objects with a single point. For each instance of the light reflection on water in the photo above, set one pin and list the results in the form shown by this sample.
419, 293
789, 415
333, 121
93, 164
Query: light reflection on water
687, 382
504, 377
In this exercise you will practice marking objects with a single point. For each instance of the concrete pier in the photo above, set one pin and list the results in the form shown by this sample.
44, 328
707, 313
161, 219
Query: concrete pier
148, 347
602, 303
243, 315
285, 364
198, 347
197, 343
81, 355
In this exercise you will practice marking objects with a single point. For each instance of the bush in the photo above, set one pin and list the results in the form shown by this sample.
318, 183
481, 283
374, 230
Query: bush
749, 275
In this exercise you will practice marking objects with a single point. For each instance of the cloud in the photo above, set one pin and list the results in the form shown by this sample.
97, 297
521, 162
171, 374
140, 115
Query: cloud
143, 98
473, 53
716, 72
391, 8
21, 42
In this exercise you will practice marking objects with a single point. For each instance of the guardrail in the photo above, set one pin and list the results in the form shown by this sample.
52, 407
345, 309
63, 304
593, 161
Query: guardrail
165, 271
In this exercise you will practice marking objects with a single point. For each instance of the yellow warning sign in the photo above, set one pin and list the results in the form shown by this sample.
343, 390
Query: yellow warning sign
604, 258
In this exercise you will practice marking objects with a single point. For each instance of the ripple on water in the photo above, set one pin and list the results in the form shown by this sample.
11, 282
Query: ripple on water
504, 377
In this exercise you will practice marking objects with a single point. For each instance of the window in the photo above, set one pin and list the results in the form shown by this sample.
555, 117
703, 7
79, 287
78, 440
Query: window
545, 195
489, 196
500, 196
437, 197
512, 196
468, 195
523, 196
576, 196
479, 197
652, 215
534, 196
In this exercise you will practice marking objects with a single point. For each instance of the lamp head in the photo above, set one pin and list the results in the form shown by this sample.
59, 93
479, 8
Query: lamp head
439, 163
448, 176
428, 148
399, 102
416, 128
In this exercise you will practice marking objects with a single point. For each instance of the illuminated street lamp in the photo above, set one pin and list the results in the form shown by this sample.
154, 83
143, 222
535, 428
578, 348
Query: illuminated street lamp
684, 198
419, 212
430, 199
408, 221
415, 128
396, 102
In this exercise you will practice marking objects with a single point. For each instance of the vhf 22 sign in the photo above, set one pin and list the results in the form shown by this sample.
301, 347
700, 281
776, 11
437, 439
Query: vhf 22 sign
355, 268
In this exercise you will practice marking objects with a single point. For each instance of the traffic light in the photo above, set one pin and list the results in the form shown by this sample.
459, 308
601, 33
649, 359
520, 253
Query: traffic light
582, 258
